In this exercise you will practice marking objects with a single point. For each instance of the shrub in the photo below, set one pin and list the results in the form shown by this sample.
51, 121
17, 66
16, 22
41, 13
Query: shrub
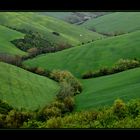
15, 118
40, 71
69, 103
125, 64
59, 105
65, 76
2, 121
134, 108
32, 124
48, 113
87, 75
14, 60
4, 107
54, 123
55, 33
120, 109
65, 91
120, 66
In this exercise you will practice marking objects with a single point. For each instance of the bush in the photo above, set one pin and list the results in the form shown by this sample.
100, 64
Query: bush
15, 119
40, 71
54, 123
32, 124
120, 109
14, 60
59, 105
48, 113
2, 121
134, 108
120, 66
55, 33
87, 75
65, 76
65, 91
69, 103
4, 107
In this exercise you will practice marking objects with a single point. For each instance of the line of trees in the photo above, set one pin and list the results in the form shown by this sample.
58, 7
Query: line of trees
57, 115
121, 65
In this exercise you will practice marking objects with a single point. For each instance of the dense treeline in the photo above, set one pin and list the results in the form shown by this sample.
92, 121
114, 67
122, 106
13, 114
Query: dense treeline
56, 115
121, 65
34, 43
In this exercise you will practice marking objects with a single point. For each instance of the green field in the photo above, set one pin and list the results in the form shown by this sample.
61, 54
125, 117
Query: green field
59, 15
7, 35
46, 25
91, 56
23, 89
73, 17
99, 92
122, 22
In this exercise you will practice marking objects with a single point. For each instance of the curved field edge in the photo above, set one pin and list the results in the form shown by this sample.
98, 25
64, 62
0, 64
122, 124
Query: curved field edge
23, 89
47, 25
117, 22
7, 35
102, 91
98, 54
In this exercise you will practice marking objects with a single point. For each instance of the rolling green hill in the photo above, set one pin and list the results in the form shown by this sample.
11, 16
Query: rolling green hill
7, 35
59, 15
74, 17
117, 22
102, 91
23, 89
91, 56
47, 25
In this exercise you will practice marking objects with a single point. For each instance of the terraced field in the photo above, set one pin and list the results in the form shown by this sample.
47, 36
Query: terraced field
116, 22
7, 35
91, 56
46, 25
99, 92
23, 89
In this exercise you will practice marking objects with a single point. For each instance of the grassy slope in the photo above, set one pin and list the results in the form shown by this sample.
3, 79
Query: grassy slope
118, 21
7, 35
98, 92
59, 15
46, 25
24, 89
91, 56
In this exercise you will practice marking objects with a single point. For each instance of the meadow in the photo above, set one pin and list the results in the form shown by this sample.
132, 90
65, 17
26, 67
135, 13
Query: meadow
115, 23
91, 56
23, 89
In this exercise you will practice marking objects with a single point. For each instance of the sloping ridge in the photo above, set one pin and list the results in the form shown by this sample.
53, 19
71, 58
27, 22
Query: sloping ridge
46, 25
23, 89
7, 35
117, 22
91, 56
102, 91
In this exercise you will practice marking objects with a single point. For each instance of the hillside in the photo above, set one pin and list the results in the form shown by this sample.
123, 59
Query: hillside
23, 89
91, 56
117, 22
46, 25
7, 35
99, 92
74, 17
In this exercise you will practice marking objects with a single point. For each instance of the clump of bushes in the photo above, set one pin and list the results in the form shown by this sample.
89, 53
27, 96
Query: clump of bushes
66, 90
37, 70
67, 77
15, 119
5, 107
121, 65
14, 60
120, 115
